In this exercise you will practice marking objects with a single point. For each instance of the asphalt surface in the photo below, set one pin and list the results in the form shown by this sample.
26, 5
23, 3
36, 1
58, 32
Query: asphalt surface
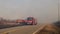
29, 29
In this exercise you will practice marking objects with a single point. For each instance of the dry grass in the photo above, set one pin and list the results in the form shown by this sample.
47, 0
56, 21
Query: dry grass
50, 29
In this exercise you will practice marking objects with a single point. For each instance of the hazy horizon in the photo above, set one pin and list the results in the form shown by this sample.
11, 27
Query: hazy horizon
40, 9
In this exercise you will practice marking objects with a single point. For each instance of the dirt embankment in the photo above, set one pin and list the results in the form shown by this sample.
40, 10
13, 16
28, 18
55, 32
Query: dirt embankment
49, 29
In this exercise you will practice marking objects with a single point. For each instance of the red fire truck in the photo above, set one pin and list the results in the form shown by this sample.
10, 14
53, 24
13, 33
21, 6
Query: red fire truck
31, 21
28, 21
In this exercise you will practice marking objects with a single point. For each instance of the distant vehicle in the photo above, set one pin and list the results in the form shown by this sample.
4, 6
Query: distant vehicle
21, 22
28, 21
31, 21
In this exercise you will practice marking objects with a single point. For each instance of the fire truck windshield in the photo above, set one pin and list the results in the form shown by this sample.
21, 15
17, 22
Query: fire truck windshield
29, 18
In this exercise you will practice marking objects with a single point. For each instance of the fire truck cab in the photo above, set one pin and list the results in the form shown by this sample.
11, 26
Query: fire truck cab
31, 21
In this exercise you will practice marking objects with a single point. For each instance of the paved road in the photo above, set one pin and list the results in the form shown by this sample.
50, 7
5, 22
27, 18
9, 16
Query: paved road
21, 29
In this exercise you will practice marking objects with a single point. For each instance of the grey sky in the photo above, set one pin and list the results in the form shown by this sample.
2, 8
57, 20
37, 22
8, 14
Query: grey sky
41, 9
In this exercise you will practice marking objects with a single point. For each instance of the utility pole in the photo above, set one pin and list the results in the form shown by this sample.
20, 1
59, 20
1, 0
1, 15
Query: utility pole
58, 11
